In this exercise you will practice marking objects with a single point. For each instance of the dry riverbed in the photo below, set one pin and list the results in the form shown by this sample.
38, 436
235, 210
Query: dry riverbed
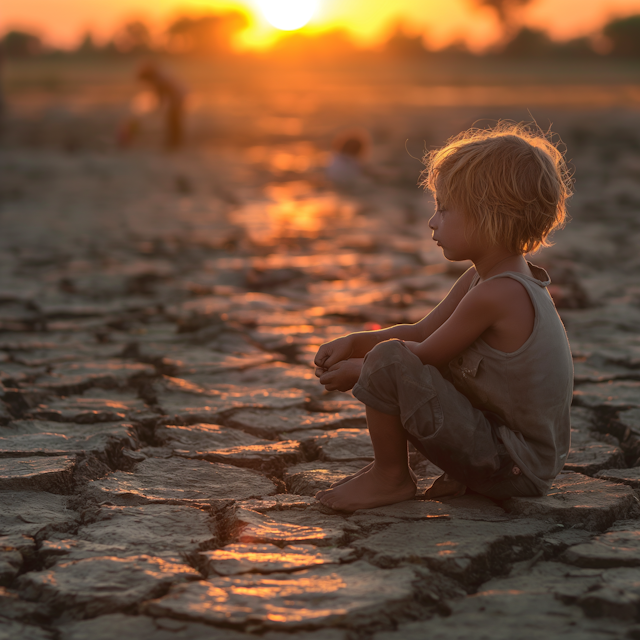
163, 435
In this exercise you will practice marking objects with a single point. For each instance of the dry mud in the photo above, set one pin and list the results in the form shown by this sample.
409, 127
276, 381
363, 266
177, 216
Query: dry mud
162, 434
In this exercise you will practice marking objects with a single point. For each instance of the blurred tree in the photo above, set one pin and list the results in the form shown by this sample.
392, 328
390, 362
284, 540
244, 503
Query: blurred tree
456, 49
87, 46
623, 35
402, 45
19, 44
505, 9
578, 47
535, 43
208, 34
529, 43
133, 37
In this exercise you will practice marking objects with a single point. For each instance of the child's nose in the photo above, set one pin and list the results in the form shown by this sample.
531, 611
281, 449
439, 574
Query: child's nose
432, 222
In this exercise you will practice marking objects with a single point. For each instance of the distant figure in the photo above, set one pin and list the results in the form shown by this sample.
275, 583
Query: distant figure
171, 96
346, 167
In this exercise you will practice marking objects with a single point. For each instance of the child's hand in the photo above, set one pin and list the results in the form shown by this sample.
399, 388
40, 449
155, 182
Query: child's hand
331, 353
341, 376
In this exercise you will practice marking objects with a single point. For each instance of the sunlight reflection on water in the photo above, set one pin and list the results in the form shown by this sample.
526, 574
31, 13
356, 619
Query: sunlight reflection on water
293, 209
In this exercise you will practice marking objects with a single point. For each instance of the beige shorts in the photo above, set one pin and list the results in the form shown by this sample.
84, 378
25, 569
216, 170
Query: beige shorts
440, 421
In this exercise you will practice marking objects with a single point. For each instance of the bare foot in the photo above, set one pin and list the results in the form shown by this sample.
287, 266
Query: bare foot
414, 477
445, 487
368, 490
352, 476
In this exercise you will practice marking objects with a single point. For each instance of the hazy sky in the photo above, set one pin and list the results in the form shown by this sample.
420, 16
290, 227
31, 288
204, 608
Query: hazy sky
62, 21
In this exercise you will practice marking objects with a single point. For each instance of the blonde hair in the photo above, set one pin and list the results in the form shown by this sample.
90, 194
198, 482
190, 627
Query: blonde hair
511, 180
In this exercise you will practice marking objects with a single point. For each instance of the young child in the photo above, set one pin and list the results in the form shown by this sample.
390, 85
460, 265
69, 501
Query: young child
482, 386
346, 167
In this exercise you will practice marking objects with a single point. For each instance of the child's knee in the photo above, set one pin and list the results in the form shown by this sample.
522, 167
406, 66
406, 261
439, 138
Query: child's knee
394, 380
387, 353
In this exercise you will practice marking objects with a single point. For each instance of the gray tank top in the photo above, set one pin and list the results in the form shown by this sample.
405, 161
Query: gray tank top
530, 389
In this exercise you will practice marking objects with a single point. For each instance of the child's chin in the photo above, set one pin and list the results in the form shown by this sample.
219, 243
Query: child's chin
454, 256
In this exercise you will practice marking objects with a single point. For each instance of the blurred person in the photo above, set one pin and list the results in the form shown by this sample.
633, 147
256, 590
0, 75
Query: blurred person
346, 166
171, 96
482, 386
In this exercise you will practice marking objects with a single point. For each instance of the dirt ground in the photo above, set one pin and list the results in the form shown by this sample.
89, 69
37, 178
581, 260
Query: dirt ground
162, 433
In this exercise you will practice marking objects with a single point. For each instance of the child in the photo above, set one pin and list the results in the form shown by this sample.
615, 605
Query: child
346, 167
171, 95
482, 386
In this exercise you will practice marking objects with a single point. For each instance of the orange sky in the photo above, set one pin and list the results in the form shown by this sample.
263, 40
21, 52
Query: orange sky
62, 21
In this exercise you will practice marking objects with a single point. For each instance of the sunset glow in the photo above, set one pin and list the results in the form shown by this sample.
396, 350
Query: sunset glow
368, 22
288, 15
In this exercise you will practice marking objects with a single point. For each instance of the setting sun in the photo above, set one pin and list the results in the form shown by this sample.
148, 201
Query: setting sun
288, 15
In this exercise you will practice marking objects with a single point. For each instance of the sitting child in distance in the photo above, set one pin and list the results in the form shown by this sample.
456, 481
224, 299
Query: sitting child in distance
482, 386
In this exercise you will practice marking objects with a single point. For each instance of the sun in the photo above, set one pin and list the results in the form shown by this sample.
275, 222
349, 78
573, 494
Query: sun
288, 15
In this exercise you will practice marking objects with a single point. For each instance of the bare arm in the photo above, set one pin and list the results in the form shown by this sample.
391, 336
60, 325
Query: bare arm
357, 345
434, 320
488, 306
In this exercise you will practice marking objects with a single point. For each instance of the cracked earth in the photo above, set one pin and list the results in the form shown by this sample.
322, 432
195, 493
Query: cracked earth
163, 435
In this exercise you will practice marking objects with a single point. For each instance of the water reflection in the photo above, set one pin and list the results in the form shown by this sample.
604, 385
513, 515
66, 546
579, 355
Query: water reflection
298, 157
292, 210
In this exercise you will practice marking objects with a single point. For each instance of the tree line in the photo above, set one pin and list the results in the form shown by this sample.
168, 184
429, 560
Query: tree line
213, 34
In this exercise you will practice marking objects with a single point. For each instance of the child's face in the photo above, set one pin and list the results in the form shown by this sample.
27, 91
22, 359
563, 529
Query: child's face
451, 230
